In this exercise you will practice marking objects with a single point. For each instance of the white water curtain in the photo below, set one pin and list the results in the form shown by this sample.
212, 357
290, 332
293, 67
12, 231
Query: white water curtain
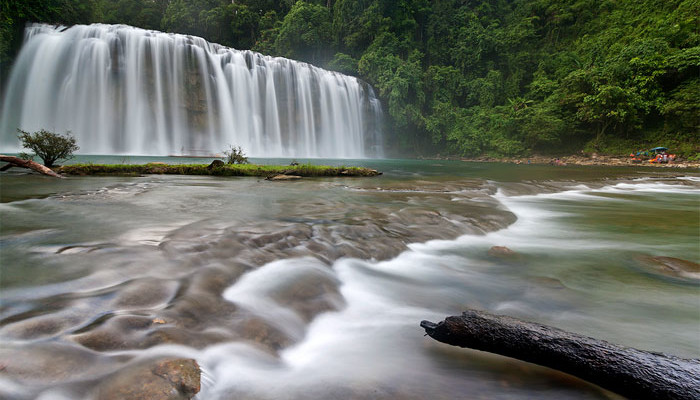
123, 90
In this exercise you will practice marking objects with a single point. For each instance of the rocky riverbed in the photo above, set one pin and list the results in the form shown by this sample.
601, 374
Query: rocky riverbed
313, 289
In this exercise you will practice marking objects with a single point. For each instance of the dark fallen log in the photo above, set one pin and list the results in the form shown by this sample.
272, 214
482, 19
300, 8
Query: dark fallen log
18, 162
630, 372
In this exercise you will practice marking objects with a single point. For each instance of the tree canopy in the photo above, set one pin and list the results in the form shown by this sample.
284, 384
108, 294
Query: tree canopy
461, 77
48, 146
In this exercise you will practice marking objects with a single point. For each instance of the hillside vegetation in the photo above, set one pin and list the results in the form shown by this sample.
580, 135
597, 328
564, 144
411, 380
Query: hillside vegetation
461, 77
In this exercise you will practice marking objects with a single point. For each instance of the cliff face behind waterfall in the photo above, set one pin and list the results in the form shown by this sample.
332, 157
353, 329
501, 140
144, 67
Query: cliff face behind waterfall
123, 90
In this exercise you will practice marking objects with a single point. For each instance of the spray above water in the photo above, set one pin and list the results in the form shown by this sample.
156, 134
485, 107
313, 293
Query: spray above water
123, 90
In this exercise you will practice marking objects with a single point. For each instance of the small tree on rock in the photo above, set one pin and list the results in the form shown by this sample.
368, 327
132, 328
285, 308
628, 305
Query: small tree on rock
235, 155
48, 146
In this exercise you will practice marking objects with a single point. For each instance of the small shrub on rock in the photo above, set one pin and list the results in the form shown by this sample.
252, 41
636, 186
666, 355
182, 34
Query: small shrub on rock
235, 155
48, 146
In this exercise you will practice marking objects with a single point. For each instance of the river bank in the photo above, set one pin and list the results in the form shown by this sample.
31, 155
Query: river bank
601, 160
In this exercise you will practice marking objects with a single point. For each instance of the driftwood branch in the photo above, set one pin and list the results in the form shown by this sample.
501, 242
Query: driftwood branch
18, 162
630, 372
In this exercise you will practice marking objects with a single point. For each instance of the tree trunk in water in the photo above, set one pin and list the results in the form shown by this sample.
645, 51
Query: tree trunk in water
18, 162
632, 373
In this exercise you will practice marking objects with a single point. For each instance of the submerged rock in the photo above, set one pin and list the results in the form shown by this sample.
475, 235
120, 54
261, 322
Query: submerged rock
145, 294
505, 256
281, 177
49, 363
264, 334
162, 380
672, 267
501, 251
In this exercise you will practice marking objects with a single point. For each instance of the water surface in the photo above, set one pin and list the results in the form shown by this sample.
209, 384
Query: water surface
314, 289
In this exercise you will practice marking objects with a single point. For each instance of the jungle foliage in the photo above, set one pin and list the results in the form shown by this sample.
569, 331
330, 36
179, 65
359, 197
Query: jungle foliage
461, 77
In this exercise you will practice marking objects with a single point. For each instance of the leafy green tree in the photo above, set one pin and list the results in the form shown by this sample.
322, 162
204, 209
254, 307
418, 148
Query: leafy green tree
15, 14
343, 63
182, 16
540, 127
682, 109
145, 14
244, 26
269, 26
356, 24
216, 24
196, 17
400, 83
305, 33
48, 146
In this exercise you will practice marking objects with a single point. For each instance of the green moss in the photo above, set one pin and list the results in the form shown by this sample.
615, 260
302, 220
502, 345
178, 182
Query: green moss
305, 170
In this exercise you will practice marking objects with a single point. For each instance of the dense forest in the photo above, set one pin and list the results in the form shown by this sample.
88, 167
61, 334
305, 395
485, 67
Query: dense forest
460, 77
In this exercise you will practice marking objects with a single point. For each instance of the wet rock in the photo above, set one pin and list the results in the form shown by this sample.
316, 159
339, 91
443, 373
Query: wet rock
281, 238
119, 332
168, 335
184, 373
309, 294
547, 282
198, 317
146, 294
188, 310
261, 332
671, 267
132, 322
215, 279
501, 251
50, 363
101, 340
162, 380
368, 231
187, 337
283, 177
37, 327
184, 324
505, 256
216, 164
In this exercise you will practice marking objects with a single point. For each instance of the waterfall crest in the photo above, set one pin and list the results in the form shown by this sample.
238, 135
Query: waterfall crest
124, 90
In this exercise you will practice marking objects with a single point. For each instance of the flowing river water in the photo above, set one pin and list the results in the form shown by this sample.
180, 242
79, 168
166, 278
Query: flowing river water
315, 289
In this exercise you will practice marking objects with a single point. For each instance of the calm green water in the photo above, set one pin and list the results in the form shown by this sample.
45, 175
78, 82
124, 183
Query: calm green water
315, 289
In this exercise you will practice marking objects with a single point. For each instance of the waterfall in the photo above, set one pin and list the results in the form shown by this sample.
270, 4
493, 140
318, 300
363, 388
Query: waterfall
124, 90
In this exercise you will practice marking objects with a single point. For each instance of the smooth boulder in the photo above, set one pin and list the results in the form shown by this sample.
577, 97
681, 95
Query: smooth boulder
177, 379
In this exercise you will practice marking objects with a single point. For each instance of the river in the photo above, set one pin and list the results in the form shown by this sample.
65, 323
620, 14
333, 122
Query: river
315, 289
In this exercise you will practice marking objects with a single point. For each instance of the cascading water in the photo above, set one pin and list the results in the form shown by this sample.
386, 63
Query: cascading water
124, 90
